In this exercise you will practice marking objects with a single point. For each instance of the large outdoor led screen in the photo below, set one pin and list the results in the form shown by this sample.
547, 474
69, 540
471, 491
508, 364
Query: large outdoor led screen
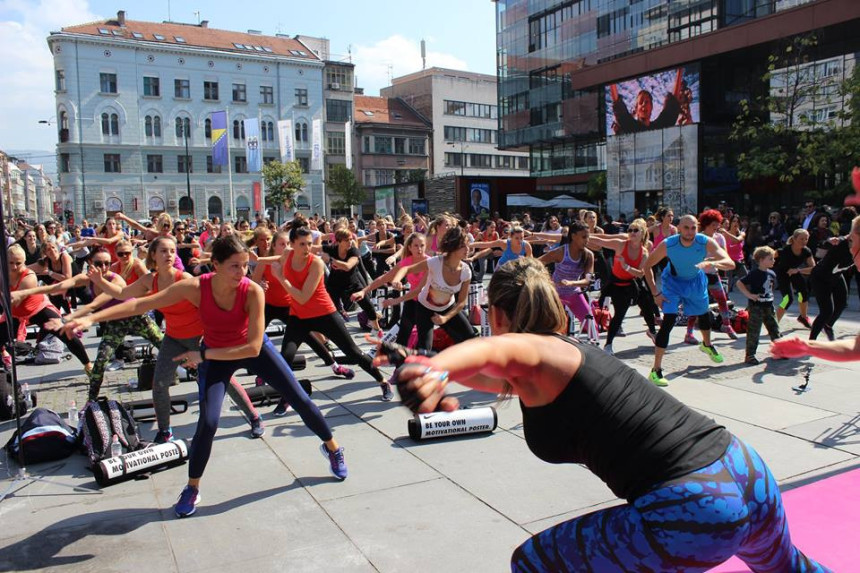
661, 100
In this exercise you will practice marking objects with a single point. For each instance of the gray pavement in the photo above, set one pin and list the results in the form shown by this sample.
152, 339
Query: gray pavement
452, 504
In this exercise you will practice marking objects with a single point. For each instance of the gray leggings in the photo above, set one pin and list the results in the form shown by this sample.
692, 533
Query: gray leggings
165, 371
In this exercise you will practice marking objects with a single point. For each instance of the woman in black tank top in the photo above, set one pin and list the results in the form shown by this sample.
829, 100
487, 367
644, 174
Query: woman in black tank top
696, 495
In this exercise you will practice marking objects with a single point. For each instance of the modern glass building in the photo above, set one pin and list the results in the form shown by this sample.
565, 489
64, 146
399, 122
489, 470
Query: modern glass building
570, 75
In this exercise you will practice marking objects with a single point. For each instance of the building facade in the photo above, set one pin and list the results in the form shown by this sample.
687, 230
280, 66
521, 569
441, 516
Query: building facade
134, 103
463, 109
576, 76
39, 193
391, 146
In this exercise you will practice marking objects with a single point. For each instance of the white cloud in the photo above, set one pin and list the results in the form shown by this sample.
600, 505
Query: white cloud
28, 81
404, 57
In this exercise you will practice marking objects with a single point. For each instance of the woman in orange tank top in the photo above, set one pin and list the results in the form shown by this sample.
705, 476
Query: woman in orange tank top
184, 330
33, 308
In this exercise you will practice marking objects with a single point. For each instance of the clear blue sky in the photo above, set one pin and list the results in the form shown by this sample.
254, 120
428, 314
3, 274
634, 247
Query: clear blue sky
460, 34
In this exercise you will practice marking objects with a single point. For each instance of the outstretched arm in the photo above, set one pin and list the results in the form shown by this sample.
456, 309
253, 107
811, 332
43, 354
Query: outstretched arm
718, 258
836, 351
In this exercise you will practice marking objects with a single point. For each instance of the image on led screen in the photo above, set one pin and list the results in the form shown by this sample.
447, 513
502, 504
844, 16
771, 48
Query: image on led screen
657, 101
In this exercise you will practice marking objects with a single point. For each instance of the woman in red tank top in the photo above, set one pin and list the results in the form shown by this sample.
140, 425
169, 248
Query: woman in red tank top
231, 310
278, 302
630, 255
33, 308
128, 266
312, 309
184, 330
107, 236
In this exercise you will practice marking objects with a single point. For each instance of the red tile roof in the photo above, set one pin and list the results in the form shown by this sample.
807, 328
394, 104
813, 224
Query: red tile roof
197, 36
391, 111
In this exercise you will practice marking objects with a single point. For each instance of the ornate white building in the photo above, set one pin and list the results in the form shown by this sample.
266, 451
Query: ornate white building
128, 92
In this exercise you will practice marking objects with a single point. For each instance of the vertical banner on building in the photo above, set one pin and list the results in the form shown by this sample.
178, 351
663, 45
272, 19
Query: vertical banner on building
385, 201
316, 150
252, 145
285, 140
258, 196
348, 144
219, 138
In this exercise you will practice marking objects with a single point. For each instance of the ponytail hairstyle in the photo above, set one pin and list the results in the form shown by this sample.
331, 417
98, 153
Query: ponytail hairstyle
574, 228
298, 231
407, 245
275, 238
455, 238
524, 291
149, 261
799, 232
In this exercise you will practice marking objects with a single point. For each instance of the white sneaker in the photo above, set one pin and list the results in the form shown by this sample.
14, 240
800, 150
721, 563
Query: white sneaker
608, 350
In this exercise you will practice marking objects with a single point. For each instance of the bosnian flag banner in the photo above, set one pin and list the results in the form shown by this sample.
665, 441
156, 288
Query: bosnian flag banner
219, 138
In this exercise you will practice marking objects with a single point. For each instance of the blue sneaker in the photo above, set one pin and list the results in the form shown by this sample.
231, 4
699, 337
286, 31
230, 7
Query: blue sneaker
387, 394
337, 465
188, 500
281, 408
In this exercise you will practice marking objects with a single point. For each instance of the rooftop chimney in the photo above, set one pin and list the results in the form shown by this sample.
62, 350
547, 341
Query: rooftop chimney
120, 18
204, 24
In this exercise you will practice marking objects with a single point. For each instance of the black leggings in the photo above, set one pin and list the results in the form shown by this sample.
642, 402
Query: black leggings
282, 313
832, 296
213, 377
458, 328
331, 326
669, 323
788, 285
623, 295
407, 321
74, 343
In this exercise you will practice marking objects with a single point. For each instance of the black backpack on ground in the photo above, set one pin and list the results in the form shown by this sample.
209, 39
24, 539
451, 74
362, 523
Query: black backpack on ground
7, 403
99, 422
46, 437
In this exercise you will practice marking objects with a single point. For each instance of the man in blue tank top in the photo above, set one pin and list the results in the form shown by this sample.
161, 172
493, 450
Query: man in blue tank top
684, 282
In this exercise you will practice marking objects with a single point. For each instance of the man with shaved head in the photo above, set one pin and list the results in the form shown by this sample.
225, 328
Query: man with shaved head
684, 282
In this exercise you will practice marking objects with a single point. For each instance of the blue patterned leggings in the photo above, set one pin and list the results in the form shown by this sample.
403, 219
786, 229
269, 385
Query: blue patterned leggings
694, 523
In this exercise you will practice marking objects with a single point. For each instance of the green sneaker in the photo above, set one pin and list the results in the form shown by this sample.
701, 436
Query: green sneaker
656, 377
712, 352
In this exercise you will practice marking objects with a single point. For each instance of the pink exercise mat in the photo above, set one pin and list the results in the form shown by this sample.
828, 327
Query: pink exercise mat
824, 519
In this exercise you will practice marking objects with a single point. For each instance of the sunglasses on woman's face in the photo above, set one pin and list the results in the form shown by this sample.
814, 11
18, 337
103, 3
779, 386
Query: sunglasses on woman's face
633, 231
123, 253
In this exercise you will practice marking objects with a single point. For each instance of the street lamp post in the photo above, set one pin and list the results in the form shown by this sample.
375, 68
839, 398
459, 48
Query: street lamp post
185, 131
463, 146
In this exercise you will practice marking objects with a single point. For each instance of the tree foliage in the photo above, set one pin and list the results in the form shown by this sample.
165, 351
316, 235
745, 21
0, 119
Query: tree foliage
781, 133
342, 181
283, 181
596, 189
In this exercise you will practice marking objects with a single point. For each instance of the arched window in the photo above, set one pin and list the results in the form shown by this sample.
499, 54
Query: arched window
238, 129
147, 126
270, 131
110, 124
183, 127
156, 126
207, 128
64, 120
302, 132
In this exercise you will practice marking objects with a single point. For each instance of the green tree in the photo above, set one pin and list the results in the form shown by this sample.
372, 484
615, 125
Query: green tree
283, 181
350, 193
772, 130
596, 189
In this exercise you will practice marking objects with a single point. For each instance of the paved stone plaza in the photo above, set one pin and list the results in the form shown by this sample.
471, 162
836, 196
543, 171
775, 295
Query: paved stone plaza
459, 504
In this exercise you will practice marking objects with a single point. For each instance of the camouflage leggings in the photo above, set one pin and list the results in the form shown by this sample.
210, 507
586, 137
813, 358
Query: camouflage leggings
113, 334
694, 523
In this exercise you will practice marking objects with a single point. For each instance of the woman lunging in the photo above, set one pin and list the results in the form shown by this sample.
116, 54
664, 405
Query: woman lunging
696, 495
231, 310
184, 329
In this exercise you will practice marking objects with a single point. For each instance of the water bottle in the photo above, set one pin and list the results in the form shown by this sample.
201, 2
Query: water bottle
132, 384
73, 414
28, 398
115, 447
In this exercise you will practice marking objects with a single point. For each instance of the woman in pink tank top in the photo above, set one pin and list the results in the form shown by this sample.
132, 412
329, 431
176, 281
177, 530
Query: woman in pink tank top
231, 309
